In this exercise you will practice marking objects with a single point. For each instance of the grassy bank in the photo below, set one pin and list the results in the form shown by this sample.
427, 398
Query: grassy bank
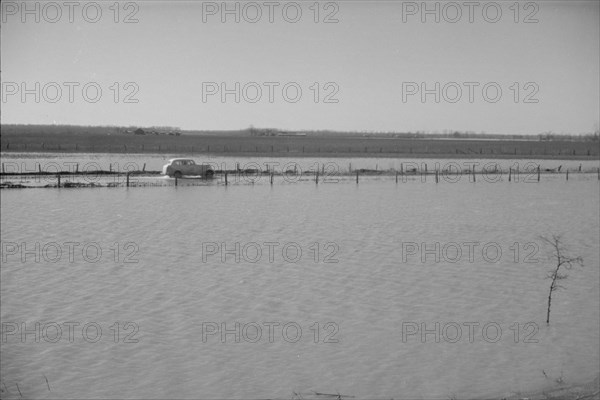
23, 138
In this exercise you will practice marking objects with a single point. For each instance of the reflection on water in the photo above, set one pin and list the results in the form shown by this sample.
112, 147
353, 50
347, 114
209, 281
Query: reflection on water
398, 266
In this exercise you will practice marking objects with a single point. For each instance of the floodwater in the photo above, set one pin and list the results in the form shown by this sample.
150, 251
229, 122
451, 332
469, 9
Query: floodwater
375, 290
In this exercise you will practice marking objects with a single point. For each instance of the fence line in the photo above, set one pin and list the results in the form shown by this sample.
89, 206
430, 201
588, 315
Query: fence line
123, 179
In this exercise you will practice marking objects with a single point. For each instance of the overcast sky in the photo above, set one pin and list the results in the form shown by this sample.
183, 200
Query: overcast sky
506, 67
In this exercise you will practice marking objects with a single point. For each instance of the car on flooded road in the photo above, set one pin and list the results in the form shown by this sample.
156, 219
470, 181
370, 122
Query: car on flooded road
179, 167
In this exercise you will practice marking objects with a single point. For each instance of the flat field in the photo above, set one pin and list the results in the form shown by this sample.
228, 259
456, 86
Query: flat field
26, 138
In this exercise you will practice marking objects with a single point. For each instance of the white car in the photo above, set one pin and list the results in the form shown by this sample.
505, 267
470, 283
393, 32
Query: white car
178, 167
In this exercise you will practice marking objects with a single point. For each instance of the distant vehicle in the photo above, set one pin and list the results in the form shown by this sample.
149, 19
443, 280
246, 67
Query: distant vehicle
178, 167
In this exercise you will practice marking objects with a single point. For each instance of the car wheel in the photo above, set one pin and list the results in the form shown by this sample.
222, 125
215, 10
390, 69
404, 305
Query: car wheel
177, 174
210, 173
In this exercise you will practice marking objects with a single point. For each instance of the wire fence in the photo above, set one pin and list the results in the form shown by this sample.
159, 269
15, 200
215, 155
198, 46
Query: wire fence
140, 179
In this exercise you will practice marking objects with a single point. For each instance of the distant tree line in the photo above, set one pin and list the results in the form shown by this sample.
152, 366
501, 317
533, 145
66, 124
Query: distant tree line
587, 137
253, 131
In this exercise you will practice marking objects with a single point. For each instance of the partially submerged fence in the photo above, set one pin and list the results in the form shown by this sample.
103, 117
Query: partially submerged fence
142, 178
